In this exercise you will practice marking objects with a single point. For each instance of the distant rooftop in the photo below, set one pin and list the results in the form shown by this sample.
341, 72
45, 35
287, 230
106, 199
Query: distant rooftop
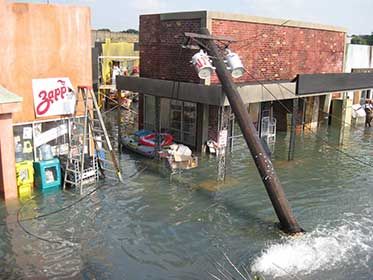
207, 16
8, 97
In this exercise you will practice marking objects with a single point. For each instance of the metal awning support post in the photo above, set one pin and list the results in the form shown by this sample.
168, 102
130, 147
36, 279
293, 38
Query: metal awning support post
157, 126
293, 128
272, 183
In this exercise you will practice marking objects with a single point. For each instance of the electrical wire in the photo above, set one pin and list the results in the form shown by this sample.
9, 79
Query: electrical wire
293, 93
317, 136
329, 114
65, 207
254, 38
19, 221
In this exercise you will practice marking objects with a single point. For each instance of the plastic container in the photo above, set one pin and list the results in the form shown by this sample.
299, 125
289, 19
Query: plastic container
47, 174
100, 154
46, 152
24, 173
25, 192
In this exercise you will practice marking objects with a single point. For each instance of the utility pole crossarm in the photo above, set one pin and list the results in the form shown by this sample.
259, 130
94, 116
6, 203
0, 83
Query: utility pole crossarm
209, 37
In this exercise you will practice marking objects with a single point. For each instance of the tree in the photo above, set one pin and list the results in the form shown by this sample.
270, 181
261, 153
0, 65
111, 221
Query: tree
104, 29
131, 31
362, 39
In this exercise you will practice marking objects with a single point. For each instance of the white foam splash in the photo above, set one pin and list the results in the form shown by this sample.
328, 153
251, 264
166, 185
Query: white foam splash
320, 250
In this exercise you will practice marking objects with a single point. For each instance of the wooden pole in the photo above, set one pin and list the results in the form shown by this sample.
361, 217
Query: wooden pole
272, 183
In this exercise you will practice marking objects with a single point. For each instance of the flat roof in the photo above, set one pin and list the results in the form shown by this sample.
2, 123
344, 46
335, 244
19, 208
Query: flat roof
207, 16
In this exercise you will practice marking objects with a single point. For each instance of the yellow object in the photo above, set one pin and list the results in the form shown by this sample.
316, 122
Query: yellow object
24, 173
27, 147
25, 192
110, 49
122, 52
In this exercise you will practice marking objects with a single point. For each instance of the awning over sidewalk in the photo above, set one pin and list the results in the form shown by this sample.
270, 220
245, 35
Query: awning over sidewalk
304, 85
316, 83
191, 92
206, 94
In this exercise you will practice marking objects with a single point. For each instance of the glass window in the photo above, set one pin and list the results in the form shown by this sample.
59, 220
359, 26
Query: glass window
149, 112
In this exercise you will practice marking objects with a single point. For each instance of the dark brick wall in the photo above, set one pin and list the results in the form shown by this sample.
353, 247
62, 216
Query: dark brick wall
160, 49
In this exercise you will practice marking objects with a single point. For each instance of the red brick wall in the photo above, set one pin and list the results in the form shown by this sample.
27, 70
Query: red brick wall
273, 52
160, 49
269, 52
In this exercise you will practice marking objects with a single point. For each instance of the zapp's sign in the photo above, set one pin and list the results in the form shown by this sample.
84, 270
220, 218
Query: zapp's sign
53, 97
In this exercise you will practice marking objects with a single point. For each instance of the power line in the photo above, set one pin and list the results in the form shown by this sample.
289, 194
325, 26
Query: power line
289, 111
19, 221
65, 207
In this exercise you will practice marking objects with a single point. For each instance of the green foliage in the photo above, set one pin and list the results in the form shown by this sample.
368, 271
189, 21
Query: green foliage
362, 39
132, 31
129, 31
104, 29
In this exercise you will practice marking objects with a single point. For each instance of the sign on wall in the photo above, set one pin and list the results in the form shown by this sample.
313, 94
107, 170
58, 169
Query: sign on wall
53, 97
222, 138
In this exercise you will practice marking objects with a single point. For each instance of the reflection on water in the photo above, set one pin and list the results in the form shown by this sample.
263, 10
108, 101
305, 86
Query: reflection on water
152, 227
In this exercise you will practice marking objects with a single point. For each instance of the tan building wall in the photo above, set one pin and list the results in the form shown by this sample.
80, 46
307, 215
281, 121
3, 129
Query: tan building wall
43, 41
102, 35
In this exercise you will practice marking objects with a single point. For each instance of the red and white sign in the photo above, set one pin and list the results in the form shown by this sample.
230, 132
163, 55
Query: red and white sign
53, 97
222, 138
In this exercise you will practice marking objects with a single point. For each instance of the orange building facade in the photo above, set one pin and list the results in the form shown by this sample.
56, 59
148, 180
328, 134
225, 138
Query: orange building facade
40, 41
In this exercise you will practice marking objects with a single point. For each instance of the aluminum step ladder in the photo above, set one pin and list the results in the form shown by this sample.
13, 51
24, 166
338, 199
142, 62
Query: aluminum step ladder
90, 151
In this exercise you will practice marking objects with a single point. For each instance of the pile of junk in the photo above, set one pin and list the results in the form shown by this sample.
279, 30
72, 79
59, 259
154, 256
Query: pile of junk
160, 146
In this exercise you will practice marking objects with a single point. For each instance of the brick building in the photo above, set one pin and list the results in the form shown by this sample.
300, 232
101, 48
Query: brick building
273, 51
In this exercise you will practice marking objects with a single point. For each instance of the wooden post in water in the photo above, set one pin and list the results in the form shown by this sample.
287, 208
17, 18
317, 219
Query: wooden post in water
269, 177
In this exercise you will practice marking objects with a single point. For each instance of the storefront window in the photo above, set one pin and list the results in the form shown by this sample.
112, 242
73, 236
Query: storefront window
29, 138
183, 116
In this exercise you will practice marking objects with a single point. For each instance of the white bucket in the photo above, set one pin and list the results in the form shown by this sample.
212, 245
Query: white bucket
202, 65
46, 152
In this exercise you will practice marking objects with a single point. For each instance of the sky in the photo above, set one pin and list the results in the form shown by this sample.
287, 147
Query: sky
117, 15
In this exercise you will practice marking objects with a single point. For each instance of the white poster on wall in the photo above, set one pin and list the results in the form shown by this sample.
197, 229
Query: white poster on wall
53, 97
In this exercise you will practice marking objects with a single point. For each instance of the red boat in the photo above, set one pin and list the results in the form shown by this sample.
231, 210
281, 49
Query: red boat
150, 139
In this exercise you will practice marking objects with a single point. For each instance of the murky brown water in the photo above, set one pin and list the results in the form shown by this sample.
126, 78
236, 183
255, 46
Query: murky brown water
152, 227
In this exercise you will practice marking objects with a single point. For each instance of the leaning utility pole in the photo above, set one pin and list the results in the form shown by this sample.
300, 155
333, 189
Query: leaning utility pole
263, 163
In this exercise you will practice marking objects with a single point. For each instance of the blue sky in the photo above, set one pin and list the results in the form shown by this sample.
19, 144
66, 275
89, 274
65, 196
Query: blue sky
355, 15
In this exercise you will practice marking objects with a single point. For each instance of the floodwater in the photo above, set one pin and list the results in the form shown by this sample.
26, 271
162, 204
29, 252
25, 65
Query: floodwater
157, 227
